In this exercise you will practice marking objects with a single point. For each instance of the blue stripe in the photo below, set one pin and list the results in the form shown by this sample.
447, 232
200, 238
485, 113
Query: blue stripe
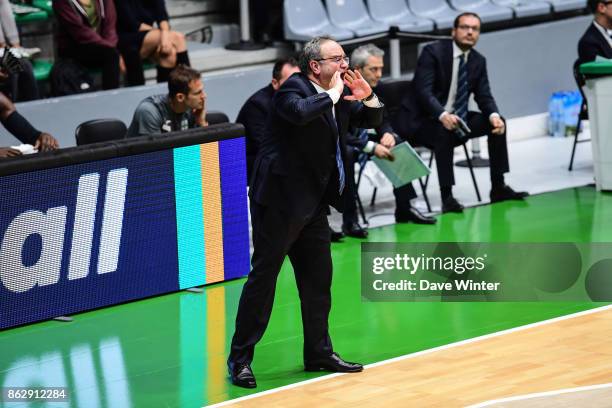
232, 163
189, 216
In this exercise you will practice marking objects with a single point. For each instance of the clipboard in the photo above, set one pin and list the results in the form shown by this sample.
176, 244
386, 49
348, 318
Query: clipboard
406, 167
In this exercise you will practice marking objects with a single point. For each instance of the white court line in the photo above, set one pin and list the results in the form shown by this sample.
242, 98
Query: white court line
418, 353
542, 394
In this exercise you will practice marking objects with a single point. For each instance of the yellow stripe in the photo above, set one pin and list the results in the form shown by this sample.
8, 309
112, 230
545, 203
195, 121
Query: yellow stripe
215, 339
213, 217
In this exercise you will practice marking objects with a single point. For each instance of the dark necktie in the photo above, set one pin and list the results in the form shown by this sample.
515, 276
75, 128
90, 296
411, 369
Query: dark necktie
461, 100
341, 177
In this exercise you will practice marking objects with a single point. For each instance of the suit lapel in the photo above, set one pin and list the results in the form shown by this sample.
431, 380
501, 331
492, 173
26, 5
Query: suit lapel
447, 65
333, 125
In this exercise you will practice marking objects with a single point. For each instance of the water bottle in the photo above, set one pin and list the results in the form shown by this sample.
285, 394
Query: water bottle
552, 114
559, 114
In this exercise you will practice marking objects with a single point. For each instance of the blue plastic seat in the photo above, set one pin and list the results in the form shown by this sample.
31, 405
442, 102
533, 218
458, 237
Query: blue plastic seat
488, 12
353, 15
526, 8
305, 19
567, 5
396, 13
437, 10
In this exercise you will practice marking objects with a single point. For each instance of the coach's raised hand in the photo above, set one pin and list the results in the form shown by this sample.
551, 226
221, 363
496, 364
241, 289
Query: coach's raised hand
359, 87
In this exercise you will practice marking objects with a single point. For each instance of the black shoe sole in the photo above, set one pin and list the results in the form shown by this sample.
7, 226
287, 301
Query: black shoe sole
319, 368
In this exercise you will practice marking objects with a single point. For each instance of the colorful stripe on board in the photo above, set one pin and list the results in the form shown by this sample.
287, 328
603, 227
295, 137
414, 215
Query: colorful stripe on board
189, 221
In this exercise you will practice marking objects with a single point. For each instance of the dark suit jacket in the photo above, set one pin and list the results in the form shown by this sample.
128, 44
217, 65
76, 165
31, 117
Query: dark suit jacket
432, 80
253, 116
385, 127
295, 170
591, 44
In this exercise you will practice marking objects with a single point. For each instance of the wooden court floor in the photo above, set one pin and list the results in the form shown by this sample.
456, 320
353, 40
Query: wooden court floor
567, 352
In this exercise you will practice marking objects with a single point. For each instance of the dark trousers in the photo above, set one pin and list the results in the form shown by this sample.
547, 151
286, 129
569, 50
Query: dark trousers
434, 136
97, 56
308, 245
403, 194
21, 86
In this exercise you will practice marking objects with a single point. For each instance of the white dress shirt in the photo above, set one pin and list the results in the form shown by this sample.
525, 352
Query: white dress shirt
452, 92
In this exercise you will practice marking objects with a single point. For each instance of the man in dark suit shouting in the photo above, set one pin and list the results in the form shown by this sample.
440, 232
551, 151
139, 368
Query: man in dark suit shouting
447, 73
597, 39
298, 172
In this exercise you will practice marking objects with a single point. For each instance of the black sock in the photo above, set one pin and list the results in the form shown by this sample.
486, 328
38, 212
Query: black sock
182, 58
446, 192
19, 127
163, 74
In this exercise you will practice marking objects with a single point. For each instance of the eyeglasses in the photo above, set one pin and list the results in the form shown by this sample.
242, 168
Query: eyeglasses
469, 27
337, 59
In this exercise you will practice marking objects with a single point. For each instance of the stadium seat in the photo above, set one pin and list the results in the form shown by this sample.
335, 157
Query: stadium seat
437, 10
488, 12
42, 69
99, 130
567, 5
216, 117
396, 13
353, 15
526, 8
306, 19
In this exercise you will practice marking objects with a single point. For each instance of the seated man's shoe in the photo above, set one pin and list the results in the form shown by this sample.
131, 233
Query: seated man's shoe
242, 375
354, 230
335, 236
451, 205
505, 193
415, 216
332, 363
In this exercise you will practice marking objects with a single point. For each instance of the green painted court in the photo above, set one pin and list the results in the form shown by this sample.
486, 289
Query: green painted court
170, 351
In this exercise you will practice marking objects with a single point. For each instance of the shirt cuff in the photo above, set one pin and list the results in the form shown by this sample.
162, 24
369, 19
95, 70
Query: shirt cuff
494, 115
334, 95
373, 103
442, 115
369, 147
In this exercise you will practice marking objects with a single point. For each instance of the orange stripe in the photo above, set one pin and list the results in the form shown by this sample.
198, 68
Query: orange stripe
215, 339
213, 216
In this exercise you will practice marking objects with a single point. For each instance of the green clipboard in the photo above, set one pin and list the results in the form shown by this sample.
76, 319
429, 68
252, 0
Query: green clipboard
406, 167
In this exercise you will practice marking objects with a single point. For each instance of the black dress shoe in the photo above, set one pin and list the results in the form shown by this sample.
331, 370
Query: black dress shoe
506, 193
354, 230
451, 205
415, 216
332, 363
335, 236
242, 375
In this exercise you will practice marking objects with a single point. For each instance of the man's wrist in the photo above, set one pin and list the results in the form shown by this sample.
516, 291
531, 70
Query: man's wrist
369, 97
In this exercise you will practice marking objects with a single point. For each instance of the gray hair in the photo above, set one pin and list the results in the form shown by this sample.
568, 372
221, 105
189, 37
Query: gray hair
360, 55
312, 51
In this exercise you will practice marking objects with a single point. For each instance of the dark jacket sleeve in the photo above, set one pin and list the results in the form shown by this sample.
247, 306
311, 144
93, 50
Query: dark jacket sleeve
72, 22
385, 126
365, 117
127, 21
424, 78
109, 26
482, 91
294, 107
161, 14
253, 116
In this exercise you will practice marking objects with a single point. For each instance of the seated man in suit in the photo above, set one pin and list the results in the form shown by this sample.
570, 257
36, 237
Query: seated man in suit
597, 39
447, 73
254, 112
368, 60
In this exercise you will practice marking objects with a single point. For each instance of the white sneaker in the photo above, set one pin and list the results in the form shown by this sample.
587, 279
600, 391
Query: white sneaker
21, 52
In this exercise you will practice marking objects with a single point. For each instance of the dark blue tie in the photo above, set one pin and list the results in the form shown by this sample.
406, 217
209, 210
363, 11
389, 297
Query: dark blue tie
461, 100
340, 167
